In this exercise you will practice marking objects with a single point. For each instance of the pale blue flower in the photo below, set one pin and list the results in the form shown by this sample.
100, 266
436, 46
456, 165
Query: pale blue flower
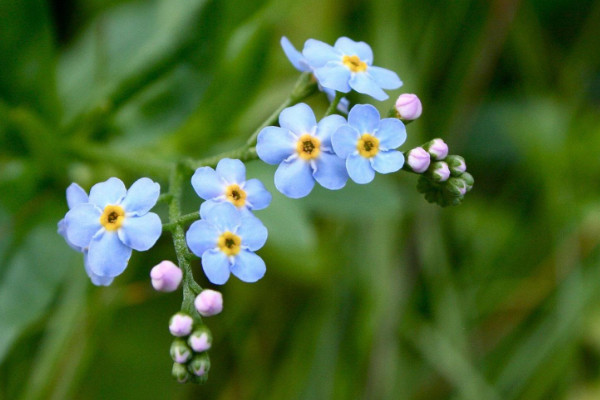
226, 239
367, 143
302, 148
111, 223
348, 66
302, 65
76, 195
228, 183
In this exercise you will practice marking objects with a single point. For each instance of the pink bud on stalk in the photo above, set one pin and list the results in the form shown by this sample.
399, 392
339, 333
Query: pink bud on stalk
409, 106
440, 172
200, 340
437, 148
418, 160
181, 324
209, 302
166, 276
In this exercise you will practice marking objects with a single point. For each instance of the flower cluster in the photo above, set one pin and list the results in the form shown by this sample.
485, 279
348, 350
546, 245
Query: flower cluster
189, 348
444, 178
106, 225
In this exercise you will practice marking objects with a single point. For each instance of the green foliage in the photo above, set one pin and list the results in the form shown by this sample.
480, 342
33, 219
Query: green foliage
370, 292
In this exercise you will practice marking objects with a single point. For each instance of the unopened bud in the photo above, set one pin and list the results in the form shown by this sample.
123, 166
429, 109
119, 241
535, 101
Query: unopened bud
180, 352
199, 365
418, 160
200, 340
180, 373
209, 302
468, 178
437, 148
166, 276
456, 187
181, 324
409, 106
456, 164
440, 171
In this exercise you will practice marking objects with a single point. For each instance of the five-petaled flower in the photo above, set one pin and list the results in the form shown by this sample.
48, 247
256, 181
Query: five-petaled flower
302, 148
348, 66
226, 239
228, 183
111, 223
367, 143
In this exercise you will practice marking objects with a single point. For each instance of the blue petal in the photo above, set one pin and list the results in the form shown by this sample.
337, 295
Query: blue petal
107, 255
391, 133
224, 216
334, 76
359, 169
258, 196
202, 236
141, 196
248, 267
96, 279
62, 231
140, 233
76, 195
207, 184
253, 232
216, 266
385, 78
362, 82
344, 141
388, 161
275, 144
83, 221
299, 119
295, 57
327, 126
294, 178
232, 171
364, 117
330, 171
111, 191
318, 53
350, 48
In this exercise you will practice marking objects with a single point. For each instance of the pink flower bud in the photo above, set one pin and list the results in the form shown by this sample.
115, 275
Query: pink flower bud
209, 302
418, 160
180, 324
166, 276
438, 149
441, 172
200, 340
409, 106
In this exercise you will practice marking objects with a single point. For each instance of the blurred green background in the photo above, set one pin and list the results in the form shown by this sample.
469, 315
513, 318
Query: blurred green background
370, 292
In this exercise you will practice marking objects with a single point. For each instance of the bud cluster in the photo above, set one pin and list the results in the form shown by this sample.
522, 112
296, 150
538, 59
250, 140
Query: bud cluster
189, 349
444, 178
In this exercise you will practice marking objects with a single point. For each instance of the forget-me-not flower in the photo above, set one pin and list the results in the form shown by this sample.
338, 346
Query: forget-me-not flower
348, 66
367, 143
112, 222
76, 195
228, 183
226, 239
302, 148
301, 64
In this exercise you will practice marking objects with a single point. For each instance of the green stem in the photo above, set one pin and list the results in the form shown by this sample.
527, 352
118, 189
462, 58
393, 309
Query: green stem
334, 103
182, 220
190, 286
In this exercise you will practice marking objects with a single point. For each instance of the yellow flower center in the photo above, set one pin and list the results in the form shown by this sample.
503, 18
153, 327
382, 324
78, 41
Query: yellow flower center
112, 218
229, 243
236, 195
368, 145
354, 63
308, 147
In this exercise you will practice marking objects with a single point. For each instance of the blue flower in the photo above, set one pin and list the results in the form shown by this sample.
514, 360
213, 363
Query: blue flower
348, 66
111, 223
302, 65
302, 148
226, 239
76, 195
367, 143
228, 183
